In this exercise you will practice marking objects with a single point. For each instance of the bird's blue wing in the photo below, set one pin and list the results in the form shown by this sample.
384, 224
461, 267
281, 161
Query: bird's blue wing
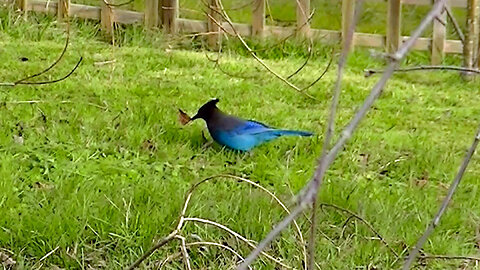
250, 127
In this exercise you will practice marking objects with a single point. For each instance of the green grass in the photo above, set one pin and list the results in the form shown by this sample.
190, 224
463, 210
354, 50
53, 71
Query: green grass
102, 182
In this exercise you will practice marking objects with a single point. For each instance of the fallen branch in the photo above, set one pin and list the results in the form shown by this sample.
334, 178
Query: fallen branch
370, 72
310, 191
453, 187
217, 245
372, 229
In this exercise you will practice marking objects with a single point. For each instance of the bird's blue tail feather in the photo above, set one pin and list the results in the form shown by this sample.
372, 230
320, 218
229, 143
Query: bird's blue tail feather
283, 132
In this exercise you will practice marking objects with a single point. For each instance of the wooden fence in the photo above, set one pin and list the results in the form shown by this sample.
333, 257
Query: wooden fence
164, 13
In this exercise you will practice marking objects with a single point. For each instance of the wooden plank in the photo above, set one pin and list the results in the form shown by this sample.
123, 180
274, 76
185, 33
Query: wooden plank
453, 46
452, 3
471, 34
63, 9
41, 6
192, 26
258, 18
22, 5
348, 10
303, 12
213, 20
393, 25
85, 12
169, 15
438, 39
151, 14
369, 40
127, 17
106, 19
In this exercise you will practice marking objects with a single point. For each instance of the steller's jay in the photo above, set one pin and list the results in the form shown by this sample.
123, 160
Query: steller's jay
237, 133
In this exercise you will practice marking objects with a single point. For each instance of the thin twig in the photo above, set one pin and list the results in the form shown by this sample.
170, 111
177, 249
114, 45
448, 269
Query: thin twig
453, 187
236, 235
309, 193
54, 63
310, 53
364, 221
331, 122
217, 245
458, 30
321, 75
183, 248
370, 72
252, 53
158, 245
447, 257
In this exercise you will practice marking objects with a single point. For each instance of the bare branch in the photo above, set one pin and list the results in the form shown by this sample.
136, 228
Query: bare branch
217, 245
453, 187
158, 245
352, 214
236, 235
460, 34
183, 248
309, 193
447, 257
331, 123
370, 72
252, 53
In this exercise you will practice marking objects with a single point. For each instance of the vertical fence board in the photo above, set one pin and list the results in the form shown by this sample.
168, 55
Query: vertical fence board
438, 39
348, 10
63, 9
394, 25
303, 12
169, 14
472, 33
106, 19
151, 13
213, 39
21, 5
258, 18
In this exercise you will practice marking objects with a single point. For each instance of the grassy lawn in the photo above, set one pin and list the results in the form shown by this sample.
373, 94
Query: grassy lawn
104, 165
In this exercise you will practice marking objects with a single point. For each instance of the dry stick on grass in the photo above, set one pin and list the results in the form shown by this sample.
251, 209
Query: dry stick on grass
370, 72
186, 258
364, 221
331, 122
456, 26
310, 191
217, 245
453, 187
237, 236
447, 257
252, 53
182, 219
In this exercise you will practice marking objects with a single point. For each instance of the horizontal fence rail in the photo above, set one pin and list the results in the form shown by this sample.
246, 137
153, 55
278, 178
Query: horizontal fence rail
165, 13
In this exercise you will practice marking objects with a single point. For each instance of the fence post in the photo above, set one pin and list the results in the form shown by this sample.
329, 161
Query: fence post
169, 14
106, 18
63, 9
303, 12
22, 5
213, 39
394, 25
151, 13
438, 39
258, 18
471, 37
348, 11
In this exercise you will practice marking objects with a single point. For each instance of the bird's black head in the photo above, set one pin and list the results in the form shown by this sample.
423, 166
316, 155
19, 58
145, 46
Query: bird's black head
206, 110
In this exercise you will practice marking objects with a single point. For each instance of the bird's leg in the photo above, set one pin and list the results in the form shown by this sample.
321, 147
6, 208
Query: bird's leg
207, 142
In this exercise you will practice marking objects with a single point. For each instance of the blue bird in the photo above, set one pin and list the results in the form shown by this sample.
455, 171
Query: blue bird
237, 133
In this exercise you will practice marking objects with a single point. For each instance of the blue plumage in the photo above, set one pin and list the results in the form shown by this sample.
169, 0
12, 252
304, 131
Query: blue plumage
236, 133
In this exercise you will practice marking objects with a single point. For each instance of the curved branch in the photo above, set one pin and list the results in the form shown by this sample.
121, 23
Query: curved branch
370, 72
